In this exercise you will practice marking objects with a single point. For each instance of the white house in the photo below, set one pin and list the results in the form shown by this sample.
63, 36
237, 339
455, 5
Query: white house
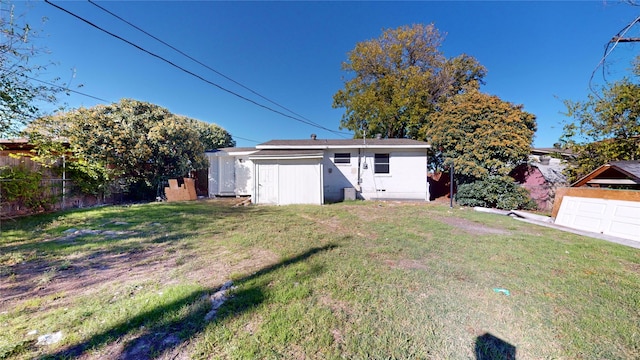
316, 171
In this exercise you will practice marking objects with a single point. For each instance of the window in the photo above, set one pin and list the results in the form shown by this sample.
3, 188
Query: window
342, 158
381, 164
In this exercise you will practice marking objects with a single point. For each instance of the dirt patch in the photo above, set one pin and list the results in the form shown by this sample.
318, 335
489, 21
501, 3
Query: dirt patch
83, 275
406, 264
471, 227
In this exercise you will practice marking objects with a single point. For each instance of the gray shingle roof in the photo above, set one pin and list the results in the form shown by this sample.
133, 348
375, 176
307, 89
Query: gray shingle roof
323, 143
631, 167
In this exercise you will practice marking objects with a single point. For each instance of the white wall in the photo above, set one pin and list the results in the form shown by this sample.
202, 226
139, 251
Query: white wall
213, 174
244, 175
339, 176
230, 174
407, 178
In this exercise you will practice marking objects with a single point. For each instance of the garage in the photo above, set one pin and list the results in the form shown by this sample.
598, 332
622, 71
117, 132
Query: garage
605, 216
288, 177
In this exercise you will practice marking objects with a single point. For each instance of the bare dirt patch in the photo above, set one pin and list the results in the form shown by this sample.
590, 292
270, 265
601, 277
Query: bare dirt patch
406, 264
471, 227
85, 275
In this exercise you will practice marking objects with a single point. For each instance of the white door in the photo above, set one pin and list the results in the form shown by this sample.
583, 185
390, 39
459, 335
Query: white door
267, 191
227, 175
300, 182
610, 217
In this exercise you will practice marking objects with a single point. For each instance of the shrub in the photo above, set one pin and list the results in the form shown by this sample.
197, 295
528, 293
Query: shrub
22, 185
495, 192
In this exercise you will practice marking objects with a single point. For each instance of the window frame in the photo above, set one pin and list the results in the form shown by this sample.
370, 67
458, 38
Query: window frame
379, 165
341, 160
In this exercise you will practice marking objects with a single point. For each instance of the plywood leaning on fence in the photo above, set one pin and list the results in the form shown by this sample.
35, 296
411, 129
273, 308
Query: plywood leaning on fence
184, 192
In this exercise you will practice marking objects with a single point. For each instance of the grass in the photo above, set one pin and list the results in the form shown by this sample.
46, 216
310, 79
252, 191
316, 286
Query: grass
356, 280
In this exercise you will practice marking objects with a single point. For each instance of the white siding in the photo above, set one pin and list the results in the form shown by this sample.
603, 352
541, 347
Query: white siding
288, 181
339, 176
244, 176
213, 175
407, 177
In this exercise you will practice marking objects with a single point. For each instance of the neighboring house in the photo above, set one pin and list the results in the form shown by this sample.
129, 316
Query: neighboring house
614, 175
316, 171
541, 176
14, 152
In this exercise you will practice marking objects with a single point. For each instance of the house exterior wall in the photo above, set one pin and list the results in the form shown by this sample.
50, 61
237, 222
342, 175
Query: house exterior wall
407, 177
244, 176
339, 176
213, 175
230, 174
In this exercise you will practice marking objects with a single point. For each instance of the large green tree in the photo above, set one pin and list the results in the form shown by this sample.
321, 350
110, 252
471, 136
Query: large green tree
21, 94
482, 134
398, 80
138, 143
605, 127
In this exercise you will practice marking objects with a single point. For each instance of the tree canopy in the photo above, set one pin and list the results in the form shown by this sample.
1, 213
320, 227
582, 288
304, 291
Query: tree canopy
399, 80
132, 141
482, 134
20, 94
606, 127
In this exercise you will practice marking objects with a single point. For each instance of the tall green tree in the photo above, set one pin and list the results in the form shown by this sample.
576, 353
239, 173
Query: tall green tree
482, 134
605, 127
20, 92
398, 80
138, 143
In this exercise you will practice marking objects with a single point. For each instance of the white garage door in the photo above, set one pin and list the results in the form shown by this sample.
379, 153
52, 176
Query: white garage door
286, 182
610, 217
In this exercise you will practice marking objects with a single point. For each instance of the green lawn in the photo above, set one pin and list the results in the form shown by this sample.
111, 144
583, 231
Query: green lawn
356, 280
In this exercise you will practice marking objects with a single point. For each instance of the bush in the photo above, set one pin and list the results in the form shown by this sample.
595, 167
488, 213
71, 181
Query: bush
495, 192
22, 185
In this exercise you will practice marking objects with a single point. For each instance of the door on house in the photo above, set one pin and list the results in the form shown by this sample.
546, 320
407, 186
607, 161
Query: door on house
267, 184
227, 175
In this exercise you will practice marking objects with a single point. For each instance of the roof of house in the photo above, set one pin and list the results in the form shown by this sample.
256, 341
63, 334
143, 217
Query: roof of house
342, 143
613, 173
233, 149
551, 151
552, 172
15, 144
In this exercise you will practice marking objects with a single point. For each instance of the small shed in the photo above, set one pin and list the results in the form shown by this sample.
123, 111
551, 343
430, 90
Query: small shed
230, 172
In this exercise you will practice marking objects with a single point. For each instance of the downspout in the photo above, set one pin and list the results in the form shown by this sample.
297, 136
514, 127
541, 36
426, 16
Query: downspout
359, 181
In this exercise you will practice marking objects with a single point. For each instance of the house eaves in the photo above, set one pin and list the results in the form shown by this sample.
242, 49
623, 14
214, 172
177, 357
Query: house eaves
240, 151
291, 154
629, 169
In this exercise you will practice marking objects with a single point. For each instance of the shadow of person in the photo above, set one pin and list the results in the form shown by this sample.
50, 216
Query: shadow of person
489, 347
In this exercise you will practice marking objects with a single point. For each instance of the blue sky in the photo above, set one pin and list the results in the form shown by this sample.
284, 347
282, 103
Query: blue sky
537, 54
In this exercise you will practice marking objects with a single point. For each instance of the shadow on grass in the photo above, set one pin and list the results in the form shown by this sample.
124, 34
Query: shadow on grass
151, 334
489, 347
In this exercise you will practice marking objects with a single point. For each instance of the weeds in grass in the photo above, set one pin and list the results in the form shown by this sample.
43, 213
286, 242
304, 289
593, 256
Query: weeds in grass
354, 280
